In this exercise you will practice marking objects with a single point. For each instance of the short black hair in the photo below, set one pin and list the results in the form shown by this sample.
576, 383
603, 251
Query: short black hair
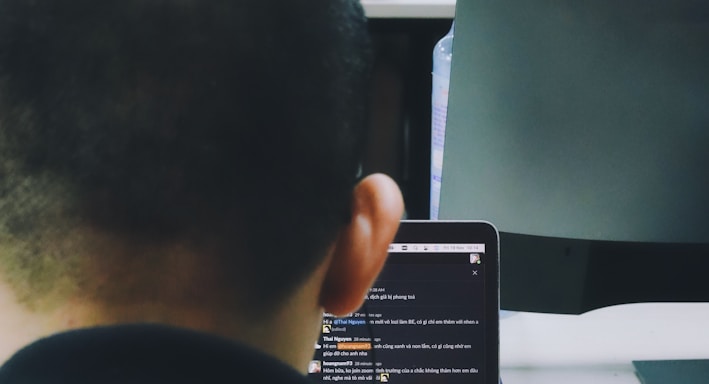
220, 121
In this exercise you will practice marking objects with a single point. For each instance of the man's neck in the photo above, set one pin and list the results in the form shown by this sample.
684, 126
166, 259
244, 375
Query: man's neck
288, 334
18, 326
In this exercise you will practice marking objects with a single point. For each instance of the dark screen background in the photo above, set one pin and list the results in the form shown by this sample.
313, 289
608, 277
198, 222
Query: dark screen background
423, 322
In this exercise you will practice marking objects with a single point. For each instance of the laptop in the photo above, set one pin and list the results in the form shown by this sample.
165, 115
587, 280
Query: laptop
431, 316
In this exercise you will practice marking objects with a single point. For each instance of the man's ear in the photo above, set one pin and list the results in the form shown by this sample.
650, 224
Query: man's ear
362, 247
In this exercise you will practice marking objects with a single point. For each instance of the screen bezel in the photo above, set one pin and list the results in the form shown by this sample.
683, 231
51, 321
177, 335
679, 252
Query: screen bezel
445, 231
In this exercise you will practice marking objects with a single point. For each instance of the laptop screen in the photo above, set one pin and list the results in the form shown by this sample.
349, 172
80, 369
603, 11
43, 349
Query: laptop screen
423, 321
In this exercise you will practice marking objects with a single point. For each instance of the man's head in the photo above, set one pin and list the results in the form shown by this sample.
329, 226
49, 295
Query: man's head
134, 131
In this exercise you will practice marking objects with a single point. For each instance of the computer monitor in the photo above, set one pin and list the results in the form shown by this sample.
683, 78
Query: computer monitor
581, 130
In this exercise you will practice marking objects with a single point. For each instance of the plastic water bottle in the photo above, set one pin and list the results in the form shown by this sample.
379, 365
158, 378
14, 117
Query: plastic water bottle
442, 56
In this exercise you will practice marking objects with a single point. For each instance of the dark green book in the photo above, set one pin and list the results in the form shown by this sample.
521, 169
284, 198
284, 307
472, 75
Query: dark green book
672, 371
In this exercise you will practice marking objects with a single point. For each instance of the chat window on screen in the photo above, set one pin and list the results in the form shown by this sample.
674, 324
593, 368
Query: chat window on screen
422, 322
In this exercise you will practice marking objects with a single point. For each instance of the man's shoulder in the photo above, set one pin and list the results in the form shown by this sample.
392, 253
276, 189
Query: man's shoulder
142, 354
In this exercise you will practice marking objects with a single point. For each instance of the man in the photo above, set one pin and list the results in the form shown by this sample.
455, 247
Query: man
179, 189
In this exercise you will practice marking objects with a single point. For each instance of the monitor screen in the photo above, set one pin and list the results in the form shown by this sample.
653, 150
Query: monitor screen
577, 119
581, 130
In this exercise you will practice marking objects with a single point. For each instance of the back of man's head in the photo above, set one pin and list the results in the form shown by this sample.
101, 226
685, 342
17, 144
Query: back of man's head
229, 127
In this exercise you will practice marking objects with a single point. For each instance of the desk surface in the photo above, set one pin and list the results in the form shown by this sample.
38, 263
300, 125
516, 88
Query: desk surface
599, 346
409, 8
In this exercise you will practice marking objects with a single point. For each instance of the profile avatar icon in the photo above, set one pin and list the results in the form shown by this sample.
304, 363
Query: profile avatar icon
315, 366
475, 258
